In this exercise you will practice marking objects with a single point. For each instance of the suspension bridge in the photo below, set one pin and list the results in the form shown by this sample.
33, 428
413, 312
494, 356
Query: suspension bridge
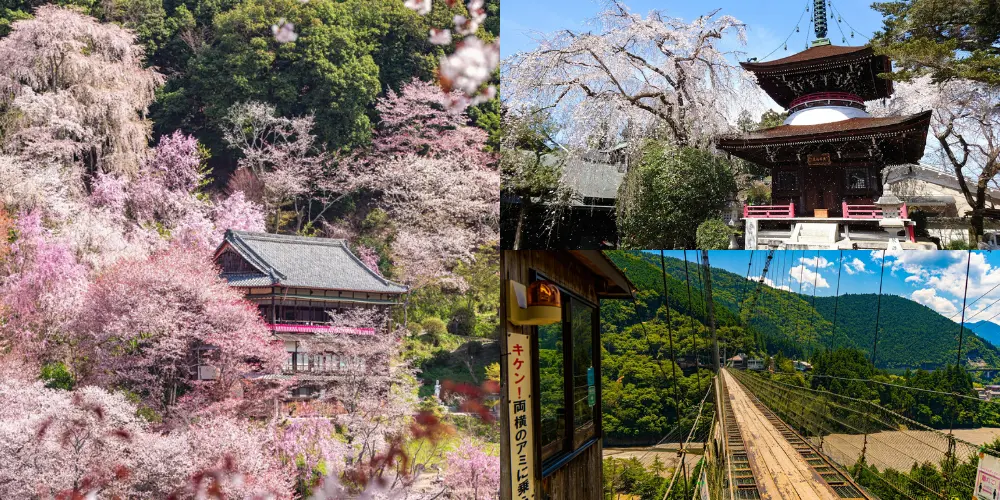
771, 437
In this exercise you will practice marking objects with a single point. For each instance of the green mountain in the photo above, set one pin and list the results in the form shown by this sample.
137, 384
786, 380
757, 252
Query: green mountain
910, 335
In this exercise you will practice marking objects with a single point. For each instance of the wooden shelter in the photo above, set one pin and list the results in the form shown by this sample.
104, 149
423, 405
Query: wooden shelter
550, 445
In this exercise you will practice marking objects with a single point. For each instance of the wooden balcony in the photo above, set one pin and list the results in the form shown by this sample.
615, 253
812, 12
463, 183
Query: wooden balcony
313, 327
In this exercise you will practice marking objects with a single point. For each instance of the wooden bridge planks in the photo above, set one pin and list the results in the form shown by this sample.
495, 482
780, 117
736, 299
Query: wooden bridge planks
781, 471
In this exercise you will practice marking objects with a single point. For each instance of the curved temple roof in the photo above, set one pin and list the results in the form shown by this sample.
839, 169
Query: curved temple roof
899, 139
824, 68
302, 262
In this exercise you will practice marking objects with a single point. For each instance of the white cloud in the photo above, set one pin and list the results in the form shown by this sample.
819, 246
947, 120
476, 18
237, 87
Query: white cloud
930, 298
769, 282
856, 266
815, 262
807, 277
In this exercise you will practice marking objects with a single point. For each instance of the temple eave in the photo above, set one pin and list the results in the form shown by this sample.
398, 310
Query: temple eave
843, 131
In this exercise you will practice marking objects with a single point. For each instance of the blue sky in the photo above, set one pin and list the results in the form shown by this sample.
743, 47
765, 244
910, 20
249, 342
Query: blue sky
935, 279
768, 22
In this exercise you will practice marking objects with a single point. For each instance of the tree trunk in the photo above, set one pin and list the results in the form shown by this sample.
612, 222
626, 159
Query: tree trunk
522, 214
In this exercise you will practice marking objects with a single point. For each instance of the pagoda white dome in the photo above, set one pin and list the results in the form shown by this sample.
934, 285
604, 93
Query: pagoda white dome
817, 115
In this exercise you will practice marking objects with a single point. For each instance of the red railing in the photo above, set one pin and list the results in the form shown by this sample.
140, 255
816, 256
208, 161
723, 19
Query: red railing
861, 211
769, 211
290, 328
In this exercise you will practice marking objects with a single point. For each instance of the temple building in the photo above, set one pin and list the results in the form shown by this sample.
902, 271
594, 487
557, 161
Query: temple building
826, 161
297, 283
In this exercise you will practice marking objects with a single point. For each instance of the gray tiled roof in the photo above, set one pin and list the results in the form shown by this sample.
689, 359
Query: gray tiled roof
303, 262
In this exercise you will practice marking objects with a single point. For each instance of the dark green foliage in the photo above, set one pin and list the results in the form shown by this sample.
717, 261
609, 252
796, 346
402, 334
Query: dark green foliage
487, 117
631, 478
669, 192
434, 327
937, 409
948, 39
463, 322
57, 376
910, 335
347, 54
713, 234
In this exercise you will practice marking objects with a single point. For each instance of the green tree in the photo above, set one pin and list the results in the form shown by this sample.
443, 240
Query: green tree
713, 234
346, 55
670, 192
530, 168
947, 39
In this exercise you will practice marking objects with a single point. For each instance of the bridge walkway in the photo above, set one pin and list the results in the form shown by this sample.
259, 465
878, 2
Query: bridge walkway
781, 471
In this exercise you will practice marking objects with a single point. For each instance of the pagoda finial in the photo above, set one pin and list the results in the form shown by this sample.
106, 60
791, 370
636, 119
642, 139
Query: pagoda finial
819, 21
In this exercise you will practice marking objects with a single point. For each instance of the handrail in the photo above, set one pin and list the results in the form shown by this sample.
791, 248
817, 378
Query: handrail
769, 211
306, 328
868, 212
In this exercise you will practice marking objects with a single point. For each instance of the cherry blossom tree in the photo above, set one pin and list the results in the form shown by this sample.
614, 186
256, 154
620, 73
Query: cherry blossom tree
417, 121
431, 175
285, 156
247, 453
165, 191
239, 213
965, 129
635, 76
472, 473
374, 388
80, 90
147, 324
443, 210
43, 289
310, 443
89, 442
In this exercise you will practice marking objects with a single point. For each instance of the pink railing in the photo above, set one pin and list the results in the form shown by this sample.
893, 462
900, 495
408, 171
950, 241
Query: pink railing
290, 328
769, 211
861, 211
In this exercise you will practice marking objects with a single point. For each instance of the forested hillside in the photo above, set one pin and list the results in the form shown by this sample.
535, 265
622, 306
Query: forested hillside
911, 335
134, 134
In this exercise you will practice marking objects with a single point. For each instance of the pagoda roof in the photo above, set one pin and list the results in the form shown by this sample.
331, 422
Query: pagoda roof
824, 68
898, 139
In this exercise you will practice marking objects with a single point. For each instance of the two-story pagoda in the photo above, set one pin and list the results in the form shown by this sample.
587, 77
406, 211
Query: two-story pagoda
296, 283
826, 160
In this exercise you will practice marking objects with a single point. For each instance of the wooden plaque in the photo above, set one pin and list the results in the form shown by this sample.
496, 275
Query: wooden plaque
819, 159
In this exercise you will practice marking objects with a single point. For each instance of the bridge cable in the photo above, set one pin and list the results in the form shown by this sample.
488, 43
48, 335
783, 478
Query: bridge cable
670, 338
958, 365
878, 313
965, 295
682, 452
694, 331
878, 308
919, 389
836, 300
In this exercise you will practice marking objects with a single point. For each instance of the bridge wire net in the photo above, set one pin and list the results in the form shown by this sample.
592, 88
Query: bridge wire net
891, 455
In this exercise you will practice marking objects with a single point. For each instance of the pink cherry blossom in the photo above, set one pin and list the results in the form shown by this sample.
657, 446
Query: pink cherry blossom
471, 473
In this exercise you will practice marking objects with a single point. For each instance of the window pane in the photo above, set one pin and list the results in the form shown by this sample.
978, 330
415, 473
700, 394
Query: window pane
582, 325
551, 383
